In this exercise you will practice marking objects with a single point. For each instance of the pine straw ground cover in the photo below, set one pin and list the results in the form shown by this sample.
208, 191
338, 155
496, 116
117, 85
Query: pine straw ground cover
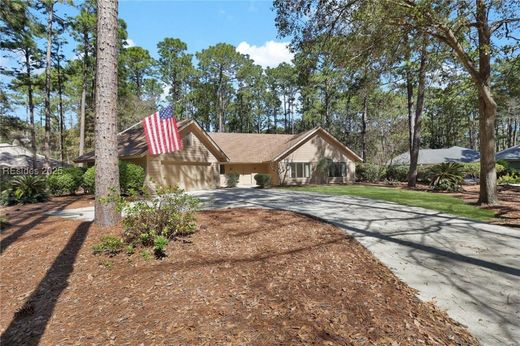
246, 277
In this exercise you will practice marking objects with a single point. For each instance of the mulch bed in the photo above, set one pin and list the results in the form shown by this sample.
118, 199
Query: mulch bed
246, 277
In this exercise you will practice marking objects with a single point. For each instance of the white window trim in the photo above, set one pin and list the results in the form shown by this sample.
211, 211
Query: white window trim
296, 170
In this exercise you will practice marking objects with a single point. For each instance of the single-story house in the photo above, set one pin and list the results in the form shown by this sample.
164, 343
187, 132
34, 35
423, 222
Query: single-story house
208, 157
16, 157
436, 156
511, 155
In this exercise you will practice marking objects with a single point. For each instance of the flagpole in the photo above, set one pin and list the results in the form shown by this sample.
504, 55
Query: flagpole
131, 127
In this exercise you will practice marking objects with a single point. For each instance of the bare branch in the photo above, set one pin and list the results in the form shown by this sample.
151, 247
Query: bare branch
496, 25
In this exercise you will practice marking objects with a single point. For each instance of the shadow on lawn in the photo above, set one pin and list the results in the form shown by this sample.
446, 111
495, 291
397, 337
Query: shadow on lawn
30, 322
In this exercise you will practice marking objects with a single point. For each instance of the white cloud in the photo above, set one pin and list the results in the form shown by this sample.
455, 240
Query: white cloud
129, 43
270, 54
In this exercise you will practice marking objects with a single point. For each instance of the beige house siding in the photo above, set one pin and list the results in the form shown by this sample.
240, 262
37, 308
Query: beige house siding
312, 151
192, 168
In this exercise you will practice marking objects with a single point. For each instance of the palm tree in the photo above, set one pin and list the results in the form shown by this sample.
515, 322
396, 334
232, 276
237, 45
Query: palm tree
107, 171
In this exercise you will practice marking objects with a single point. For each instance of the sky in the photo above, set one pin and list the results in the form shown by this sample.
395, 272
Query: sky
248, 25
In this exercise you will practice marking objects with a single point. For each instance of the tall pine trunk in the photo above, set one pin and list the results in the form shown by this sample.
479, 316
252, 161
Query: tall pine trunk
83, 104
60, 105
107, 171
30, 102
364, 116
416, 132
62, 116
47, 146
220, 101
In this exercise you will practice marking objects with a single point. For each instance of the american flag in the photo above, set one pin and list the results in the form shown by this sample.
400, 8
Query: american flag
162, 134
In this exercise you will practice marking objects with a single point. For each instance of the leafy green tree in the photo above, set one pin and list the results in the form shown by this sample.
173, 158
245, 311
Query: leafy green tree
285, 78
19, 29
466, 28
218, 67
84, 32
139, 65
175, 69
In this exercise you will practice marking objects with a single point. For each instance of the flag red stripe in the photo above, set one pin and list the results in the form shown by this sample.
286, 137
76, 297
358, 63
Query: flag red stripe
162, 136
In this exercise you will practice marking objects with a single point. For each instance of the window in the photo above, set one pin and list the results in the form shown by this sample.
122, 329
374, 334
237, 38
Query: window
222, 169
300, 169
338, 169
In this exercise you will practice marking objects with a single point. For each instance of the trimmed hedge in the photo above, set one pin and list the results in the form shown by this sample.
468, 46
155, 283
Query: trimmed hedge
473, 169
131, 178
232, 179
263, 180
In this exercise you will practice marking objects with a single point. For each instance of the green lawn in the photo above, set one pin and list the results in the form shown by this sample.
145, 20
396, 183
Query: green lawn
430, 200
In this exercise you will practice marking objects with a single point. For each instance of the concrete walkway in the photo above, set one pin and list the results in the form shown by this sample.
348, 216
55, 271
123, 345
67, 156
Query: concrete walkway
471, 269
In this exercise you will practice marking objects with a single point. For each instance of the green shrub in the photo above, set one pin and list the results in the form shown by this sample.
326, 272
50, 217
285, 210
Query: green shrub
473, 169
263, 180
25, 189
131, 178
89, 180
423, 174
447, 176
65, 180
109, 245
170, 215
513, 178
369, 172
232, 179
397, 173
159, 244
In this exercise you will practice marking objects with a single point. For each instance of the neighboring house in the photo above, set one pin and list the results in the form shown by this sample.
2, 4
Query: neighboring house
207, 157
15, 156
511, 155
436, 156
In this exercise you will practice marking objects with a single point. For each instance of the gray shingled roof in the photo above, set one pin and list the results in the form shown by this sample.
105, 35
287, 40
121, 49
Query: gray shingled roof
509, 154
435, 156
16, 156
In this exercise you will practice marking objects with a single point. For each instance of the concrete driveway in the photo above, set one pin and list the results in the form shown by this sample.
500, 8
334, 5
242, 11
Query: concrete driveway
471, 269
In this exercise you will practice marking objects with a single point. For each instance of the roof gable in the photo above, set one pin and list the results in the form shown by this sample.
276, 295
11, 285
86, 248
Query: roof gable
304, 137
